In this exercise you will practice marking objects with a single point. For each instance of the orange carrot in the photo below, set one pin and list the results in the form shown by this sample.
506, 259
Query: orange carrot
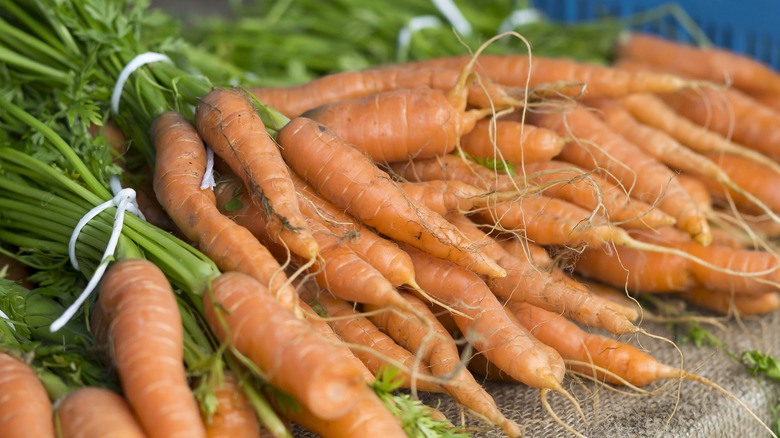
437, 348
657, 272
731, 114
653, 111
92, 412
712, 64
592, 192
368, 418
326, 331
599, 81
291, 355
512, 141
565, 180
294, 100
136, 316
527, 251
644, 177
402, 124
25, 409
444, 197
179, 168
233, 416
374, 348
727, 303
526, 282
349, 180
668, 151
547, 221
229, 124
755, 178
636, 367
338, 268
486, 325
454, 168
381, 253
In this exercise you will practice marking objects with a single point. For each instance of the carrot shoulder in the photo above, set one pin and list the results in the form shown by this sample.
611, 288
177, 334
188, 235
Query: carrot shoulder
229, 124
137, 317
348, 179
290, 353
25, 409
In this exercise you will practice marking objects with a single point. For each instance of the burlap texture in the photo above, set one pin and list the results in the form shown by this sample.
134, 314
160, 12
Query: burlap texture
699, 411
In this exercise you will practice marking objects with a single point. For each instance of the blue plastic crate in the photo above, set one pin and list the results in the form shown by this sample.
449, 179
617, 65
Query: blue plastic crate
751, 27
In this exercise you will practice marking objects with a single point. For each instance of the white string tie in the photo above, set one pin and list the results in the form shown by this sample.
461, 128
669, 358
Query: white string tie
520, 17
415, 24
454, 16
136, 63
124, 200
208, 177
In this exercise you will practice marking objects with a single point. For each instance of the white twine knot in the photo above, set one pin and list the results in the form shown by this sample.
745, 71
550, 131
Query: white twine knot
134, 64
208, 176
124, 200
520, 17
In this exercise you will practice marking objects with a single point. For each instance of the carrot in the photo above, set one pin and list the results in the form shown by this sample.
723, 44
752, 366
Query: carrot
229, 124
731, 114
437, 348
756, 179
374, 348
527, 251
712, 64
512, 141
454, 168
137, 318
741, 271
91, 412
522, 71
606, 358
668, 151
25, 409
368, 418
179, 168
727, 303
291, 355
646, 178
338, 268
444, 197
592, 192
565, 181
381, 253
396, 125
769, 100
525, 282
293, 101
547, 221
653, 111
233, 416
326, 331
617, 298
350, 181
485, 323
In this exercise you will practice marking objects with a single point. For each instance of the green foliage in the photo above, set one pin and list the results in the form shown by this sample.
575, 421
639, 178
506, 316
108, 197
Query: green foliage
414, 415
492, 163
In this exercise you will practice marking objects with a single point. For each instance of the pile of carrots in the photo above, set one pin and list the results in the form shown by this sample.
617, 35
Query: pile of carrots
401, 216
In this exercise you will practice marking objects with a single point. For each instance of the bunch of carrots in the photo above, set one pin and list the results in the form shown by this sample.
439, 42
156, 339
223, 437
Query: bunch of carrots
434, 221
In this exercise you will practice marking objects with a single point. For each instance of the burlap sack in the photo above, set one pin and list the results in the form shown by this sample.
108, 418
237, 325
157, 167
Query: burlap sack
687, 410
